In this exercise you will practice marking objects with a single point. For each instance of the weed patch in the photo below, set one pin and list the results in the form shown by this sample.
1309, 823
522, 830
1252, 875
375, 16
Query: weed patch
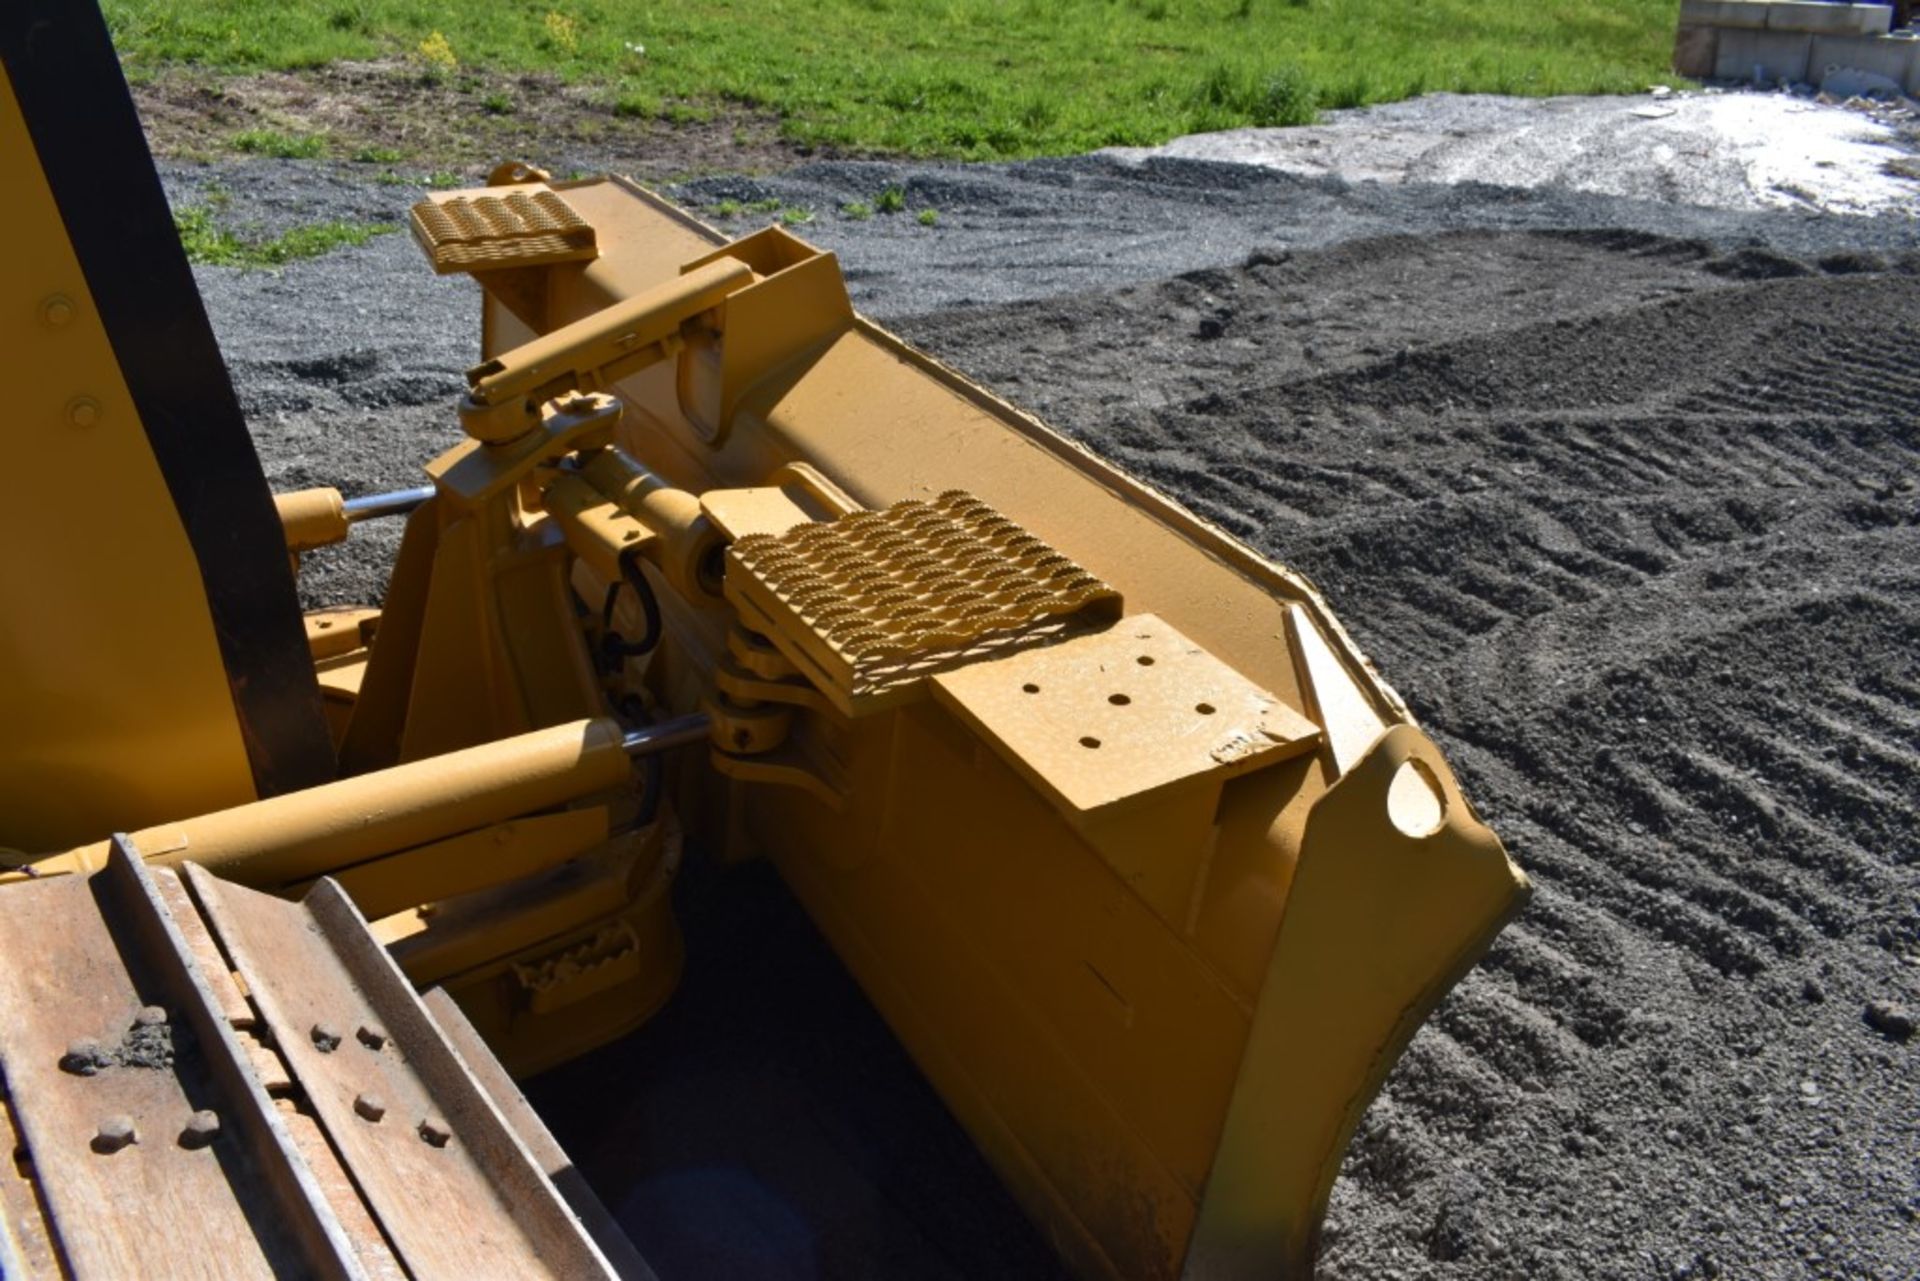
207, 242
281, 146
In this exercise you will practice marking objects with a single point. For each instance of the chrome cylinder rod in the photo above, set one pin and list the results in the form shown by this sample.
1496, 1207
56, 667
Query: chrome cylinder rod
681, 731
397, 502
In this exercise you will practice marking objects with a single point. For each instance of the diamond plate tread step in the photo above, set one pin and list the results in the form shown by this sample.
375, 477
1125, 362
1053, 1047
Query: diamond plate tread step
870, 604
493, 228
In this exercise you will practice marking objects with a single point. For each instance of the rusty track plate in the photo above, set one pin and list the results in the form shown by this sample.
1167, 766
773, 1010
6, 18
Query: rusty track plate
175, 1124
451, 1185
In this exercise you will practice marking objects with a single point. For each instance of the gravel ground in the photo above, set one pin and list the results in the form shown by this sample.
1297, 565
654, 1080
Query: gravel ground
1622, 496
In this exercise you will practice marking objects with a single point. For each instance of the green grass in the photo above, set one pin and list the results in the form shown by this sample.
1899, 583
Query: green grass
206, 241
967, 78
283, 146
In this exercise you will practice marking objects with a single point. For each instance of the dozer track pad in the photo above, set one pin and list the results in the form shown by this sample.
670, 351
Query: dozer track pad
203, 1079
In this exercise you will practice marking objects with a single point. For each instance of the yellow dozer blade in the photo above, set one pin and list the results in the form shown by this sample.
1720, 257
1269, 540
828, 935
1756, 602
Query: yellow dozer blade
1146, 866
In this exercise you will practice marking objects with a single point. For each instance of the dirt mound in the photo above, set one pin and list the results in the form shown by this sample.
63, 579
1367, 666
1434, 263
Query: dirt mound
1639, 538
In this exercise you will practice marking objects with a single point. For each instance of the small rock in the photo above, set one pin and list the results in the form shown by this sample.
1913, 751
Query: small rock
1813, 992
1460, 1224
1895, 1022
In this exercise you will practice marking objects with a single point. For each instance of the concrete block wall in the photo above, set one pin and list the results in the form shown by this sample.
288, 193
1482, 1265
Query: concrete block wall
1799, 41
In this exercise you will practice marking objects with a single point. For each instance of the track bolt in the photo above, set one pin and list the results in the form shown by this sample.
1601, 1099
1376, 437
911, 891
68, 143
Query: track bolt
150, 1016
203, 1127
372, 1035
83, 411
83, 1058
115, 1132
435, 1132
56, 311
326, 1037
370, 1106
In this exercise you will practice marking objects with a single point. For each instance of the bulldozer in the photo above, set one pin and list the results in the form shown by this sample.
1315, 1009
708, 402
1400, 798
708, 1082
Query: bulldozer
1143, 863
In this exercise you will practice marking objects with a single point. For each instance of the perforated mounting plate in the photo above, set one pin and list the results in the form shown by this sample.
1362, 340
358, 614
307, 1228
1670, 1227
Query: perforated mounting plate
496, 227
1102, 720
871, 604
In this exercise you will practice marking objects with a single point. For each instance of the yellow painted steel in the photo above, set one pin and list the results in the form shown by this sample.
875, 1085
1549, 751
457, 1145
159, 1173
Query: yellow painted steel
1397, 889
112, 688
284, 840
312, 518
1157, 986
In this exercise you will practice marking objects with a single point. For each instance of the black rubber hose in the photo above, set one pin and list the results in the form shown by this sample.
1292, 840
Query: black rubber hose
614, 646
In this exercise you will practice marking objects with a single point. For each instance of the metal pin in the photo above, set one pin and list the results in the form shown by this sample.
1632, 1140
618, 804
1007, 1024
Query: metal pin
370, 1106
682, 731
396, 502
435, 1132
372, 1035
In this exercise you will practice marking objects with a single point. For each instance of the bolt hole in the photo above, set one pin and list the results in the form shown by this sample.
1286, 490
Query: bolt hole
1205, 709
1118, 700
1089, 741
324, 625
1145, 660
742, 739
1415, 802
1030, 688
